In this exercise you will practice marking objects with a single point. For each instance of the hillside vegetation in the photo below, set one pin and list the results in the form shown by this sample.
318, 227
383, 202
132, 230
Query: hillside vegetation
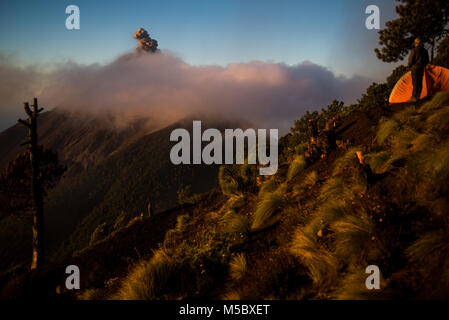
378, 197
310, 231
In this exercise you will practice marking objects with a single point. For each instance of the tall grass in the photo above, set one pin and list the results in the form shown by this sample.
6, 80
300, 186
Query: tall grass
236, 223
322, 266
311, 179
387, 128
268, 205
345, 162
353, 236
439, 121
236, 201
440, 99
238, 266
335, 188
296, 166
428, 245
422, 142
150, 279
377, 161
267, 186
431, 251
352, 287
436, 163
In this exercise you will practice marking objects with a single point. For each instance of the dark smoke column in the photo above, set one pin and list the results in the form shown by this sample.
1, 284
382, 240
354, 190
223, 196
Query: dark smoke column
145, 42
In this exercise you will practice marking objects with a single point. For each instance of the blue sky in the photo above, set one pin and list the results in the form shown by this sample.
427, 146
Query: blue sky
327, 32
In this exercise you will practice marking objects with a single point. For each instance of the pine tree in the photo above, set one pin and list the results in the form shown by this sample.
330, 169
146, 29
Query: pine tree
426, 19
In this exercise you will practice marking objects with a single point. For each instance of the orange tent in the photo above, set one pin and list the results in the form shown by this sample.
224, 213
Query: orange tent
435, 79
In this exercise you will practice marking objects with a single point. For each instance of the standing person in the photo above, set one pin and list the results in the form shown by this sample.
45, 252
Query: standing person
417, 61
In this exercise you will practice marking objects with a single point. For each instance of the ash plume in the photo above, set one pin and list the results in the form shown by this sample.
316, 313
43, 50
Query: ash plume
145, 42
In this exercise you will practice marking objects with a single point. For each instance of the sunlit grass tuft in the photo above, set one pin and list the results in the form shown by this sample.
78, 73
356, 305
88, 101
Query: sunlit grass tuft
149, 279
353, 235
345, 162
236, 223
321, 265
387, 128
268, 205
238, 266
296, 166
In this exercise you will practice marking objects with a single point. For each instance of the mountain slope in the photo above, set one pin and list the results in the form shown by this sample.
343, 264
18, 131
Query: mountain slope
94, 190
309, 232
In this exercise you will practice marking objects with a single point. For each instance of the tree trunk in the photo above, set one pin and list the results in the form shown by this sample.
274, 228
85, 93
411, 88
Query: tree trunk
38, 258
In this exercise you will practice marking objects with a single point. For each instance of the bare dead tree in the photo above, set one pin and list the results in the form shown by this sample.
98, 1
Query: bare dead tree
38, 257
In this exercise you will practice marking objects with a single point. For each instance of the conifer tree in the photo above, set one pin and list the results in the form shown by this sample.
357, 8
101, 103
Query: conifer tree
427, 19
